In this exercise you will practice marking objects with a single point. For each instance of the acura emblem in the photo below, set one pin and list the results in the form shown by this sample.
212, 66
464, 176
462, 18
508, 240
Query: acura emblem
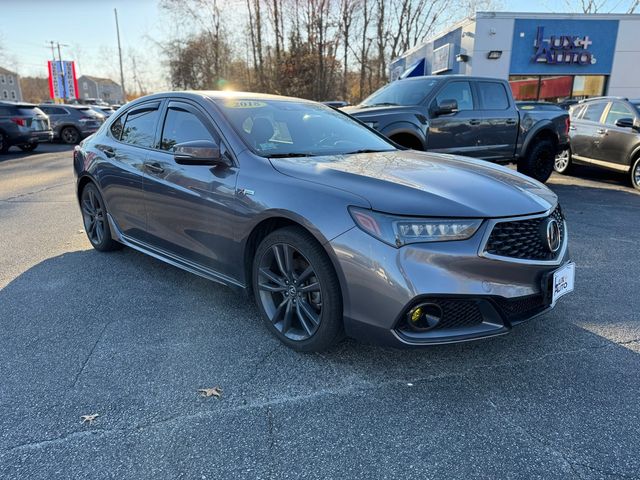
553, 235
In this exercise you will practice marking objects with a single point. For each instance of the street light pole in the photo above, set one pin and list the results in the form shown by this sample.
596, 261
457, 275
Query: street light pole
124, 95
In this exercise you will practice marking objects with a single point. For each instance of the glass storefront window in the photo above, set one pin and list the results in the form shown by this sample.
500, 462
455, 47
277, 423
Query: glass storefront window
556, 88
588, 86
524, 88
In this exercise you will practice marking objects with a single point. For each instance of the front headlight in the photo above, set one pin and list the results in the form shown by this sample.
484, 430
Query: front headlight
398, 231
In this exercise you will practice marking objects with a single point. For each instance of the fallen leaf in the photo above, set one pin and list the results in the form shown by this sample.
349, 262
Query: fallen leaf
89, 418
210, 392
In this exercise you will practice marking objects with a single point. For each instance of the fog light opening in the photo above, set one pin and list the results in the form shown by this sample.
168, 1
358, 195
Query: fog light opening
425, 316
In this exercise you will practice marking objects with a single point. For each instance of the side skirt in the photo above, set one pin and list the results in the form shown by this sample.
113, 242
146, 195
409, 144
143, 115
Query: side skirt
172, 259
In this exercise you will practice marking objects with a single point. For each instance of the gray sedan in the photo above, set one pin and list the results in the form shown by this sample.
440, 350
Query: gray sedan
332, 228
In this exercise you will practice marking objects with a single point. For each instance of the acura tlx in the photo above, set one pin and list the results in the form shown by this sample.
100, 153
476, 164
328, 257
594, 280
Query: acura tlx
331, 227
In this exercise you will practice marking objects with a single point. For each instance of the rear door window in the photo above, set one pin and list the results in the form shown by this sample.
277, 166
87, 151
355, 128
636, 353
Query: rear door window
458, 91
140, 126
493, 96
593, 111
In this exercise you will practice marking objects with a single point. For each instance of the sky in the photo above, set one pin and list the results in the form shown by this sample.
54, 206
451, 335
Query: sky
87, 27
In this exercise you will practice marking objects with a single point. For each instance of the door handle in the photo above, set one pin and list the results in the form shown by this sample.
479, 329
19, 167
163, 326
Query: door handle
154, 167
107, 150
602, 131
474, 122
511, 121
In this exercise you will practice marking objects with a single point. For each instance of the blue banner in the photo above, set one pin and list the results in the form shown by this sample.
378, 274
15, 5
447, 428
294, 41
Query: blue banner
563, 47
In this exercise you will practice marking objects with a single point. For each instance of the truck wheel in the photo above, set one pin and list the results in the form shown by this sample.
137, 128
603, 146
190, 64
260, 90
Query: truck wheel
540, 160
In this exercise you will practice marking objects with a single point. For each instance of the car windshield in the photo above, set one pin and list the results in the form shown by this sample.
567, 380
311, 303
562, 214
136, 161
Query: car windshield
403, 92
285, 128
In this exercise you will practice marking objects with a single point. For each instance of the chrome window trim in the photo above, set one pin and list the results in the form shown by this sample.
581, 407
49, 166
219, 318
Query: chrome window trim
494, 221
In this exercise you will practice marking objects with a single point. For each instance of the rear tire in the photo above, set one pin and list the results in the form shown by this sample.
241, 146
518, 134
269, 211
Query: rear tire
70, 135
540, 160
4, 143
562, 163
94, 217
28, 147
297, 290
635, 174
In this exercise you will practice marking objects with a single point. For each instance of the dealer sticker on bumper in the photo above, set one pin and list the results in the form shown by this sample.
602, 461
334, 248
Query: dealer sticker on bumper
563, 280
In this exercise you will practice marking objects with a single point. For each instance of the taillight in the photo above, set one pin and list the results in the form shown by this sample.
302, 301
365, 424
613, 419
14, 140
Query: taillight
19, 121
567, 125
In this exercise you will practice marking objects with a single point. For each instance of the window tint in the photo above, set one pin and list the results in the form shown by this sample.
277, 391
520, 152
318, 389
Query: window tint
53, 110
181, 126
617, 111
116, 127
6, 111
493, 96
576, 111
458, 91
593, 111
139, 127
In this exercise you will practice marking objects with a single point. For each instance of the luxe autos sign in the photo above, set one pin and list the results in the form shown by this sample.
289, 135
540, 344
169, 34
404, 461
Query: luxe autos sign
563, 46
559, 49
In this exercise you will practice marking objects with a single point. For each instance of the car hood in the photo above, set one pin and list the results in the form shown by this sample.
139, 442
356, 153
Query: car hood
370, 112
425, 184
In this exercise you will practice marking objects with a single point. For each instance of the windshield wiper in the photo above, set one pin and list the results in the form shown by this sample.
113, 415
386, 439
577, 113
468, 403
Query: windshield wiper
290, 155
365, 150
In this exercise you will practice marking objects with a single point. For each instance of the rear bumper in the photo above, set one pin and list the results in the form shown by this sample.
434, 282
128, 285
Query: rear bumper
32, 137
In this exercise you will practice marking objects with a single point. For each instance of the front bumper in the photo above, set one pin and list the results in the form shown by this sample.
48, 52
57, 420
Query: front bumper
380, 284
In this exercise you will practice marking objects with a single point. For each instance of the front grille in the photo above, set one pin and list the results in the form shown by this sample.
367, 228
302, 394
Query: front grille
522, 307
523, 239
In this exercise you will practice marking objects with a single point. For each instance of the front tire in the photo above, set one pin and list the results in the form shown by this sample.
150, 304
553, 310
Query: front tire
94, 217
562, 163
540, 160
635, 174
297, 290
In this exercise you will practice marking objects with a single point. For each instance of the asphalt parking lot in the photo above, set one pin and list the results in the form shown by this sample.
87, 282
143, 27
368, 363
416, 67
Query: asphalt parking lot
131, 339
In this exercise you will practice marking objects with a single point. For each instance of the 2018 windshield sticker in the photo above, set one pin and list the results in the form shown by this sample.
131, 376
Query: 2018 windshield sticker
244, 104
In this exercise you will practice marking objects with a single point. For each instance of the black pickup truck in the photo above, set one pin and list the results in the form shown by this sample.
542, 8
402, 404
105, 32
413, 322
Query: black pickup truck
472, 116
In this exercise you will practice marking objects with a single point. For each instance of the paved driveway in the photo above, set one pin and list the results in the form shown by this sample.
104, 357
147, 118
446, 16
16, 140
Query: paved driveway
131, 339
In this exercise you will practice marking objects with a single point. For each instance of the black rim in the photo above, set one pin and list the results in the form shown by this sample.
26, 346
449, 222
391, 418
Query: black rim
69, 135
290, 292
93, 216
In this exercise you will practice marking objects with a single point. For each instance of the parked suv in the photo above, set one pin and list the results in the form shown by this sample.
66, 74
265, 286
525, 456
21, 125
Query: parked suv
471, 116
23, 125
605, 131
72, 123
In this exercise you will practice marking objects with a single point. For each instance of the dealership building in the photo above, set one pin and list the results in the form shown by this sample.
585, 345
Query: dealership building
546, 57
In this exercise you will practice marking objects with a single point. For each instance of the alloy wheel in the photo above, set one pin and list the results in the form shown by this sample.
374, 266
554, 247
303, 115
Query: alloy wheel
290, 292
636, 174
93, 216
562, 161
70, 135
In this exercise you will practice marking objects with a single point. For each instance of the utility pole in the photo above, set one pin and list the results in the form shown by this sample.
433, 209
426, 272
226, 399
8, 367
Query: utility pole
124, 95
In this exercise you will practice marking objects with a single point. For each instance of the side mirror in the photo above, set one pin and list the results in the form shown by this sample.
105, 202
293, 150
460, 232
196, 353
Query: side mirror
626, 122
446, 107
199, 152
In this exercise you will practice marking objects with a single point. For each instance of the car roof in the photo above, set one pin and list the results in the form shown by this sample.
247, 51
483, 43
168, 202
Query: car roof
17, 104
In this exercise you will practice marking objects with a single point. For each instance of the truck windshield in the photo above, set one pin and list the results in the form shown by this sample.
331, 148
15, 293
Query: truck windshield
401, 92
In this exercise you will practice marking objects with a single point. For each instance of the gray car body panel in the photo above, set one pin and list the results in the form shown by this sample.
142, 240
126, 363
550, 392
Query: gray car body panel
377, 281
